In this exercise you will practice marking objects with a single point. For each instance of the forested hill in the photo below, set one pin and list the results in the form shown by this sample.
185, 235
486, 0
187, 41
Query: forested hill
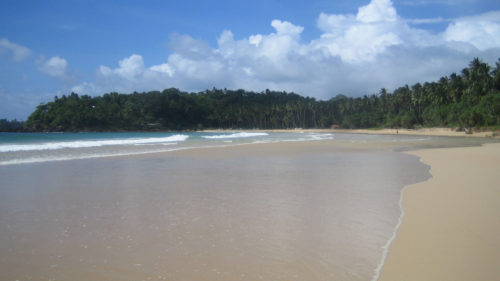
469, 99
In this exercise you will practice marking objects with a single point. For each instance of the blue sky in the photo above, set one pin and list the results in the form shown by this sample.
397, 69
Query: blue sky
318, 48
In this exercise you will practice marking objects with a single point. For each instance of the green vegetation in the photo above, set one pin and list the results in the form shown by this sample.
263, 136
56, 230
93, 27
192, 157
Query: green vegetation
466, 100
11, 125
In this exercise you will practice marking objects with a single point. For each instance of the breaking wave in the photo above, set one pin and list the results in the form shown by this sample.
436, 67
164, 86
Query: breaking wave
237, 135
90, 143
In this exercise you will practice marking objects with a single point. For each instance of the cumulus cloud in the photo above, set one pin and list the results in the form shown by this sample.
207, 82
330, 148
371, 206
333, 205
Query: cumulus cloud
17, 51
482, 31
377, 11
130, 75
55, 67
355, 54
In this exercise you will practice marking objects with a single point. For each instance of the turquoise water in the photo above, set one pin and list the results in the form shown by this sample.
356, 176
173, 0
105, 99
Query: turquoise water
20, 148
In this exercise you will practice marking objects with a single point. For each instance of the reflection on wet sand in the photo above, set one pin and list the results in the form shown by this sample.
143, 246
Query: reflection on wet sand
296, 211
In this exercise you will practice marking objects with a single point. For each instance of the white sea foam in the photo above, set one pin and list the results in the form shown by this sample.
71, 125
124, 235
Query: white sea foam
237, 135
65, 158
153, 144
90, 143
52, 158
385, 248
322, 136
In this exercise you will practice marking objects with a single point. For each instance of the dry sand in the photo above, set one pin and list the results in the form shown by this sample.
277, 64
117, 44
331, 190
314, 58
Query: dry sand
451, 226
448, 132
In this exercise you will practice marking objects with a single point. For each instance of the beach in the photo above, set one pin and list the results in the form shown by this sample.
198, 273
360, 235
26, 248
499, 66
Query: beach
302, 206
435, 131
450, 229
303, 210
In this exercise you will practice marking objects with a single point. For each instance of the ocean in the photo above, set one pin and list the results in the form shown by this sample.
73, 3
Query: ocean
18, 148
203, 205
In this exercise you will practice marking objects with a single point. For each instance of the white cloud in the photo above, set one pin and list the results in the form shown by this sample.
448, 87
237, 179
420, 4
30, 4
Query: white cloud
355, 54
163, 69
482, 31
286, 28
255, 39
55, 67
130, 75
377, 11
130, 68
17, 51
360, 38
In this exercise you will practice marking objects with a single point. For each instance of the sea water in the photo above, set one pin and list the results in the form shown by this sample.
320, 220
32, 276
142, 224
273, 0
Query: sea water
213, 207
18, 148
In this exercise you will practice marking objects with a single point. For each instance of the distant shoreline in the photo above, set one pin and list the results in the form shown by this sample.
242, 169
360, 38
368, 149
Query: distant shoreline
432, 131
445, 132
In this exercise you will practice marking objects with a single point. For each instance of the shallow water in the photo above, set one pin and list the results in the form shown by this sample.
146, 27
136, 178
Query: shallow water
287, 213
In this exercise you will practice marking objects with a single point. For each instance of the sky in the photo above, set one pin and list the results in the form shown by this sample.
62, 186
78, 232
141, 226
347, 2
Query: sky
317, 48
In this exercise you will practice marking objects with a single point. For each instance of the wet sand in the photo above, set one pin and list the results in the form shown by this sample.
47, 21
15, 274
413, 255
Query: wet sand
451, 226
282, 211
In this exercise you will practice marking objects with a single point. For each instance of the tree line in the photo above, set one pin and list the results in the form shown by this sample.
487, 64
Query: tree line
465, 100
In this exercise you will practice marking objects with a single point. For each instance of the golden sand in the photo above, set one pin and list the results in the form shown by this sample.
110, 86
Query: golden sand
447, 132
451, 227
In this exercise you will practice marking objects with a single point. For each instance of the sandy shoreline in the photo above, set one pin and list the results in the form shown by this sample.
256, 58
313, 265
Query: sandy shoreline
318, 210
450, 230
450, 227
447, 132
